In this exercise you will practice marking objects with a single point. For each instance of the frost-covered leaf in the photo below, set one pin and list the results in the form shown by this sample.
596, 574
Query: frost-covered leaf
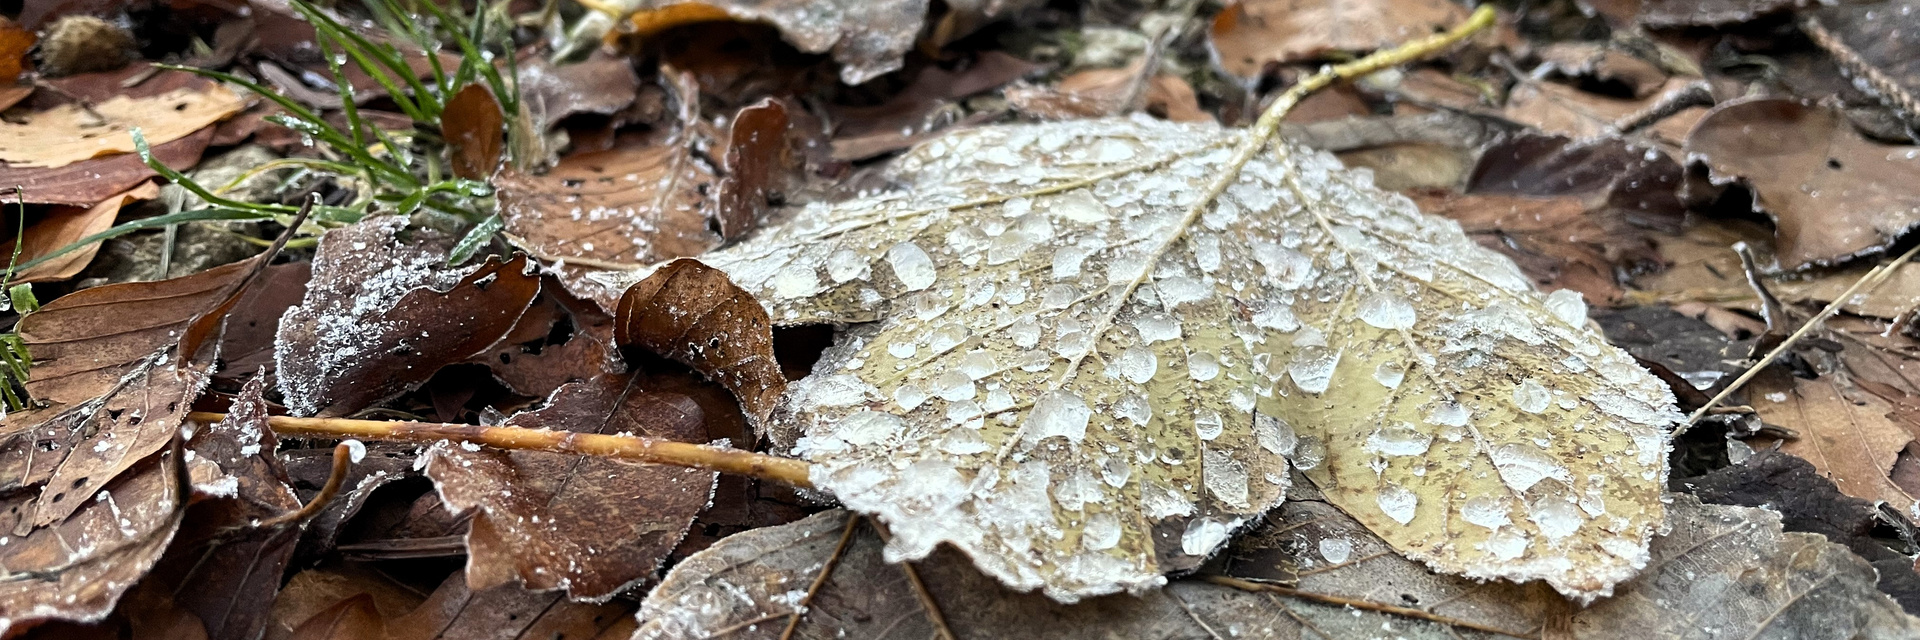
1084, 378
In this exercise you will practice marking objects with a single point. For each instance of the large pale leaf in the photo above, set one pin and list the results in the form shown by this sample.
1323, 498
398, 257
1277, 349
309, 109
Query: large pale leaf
1084, 378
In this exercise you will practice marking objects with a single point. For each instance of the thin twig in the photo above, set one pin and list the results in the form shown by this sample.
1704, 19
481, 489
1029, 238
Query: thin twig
680, 454
1864, 286
342, 463
1368, 605
1886, 89
800, 609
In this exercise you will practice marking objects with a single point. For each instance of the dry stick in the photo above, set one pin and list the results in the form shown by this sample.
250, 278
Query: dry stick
1864, 286
640, 449
1357, 603
826, 571
1886, 89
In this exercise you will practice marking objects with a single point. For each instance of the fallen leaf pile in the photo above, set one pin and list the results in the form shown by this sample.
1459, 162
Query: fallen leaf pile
964, 319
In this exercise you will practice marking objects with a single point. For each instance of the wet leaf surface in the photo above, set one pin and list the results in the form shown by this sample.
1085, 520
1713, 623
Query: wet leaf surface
691, 313
1084, 396
382, 314
593, 527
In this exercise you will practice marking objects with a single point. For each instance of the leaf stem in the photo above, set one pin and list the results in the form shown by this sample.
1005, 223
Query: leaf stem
640, 449
1269, 121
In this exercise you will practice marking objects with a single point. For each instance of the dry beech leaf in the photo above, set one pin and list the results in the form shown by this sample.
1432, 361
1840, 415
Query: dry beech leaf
1731, 569
86, 183
1845, 432
66, 225
604, 83
1563, 110
591, 526
1083, 388
68, 134
693, 314
381, 315
1248, 35
867, 37
755, 165
1552, 239
1833, 194
634, 204
15, 41
456, 612
1603, 63
475, 131
1099, 92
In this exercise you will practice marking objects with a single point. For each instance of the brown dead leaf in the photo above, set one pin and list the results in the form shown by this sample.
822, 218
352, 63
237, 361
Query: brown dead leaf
1882, 34
1563, 110
592, 526
1554, 240
1833, 194
867, 37
1628, 182
632, 205
68, 134
922, 109
381, 316
757, 165
61, 226
1600, 63
366, 608
15, 41
559, 339
89, 182
692, 313
475, 131
1249, 35
602, 84
354, 618
1844, 432
1701, 13
1098, 92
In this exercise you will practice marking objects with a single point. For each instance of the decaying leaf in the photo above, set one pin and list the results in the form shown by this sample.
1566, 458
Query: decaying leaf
1730, 570
62, 226
381, 315
475, 131
1845, 432
1083, 377
68, 134
1879, 32
692, 313
1552, 239
88, 182
866, 37
1248, 35
1560, 109
1833, 194
1100, 92
456, 611
591, 526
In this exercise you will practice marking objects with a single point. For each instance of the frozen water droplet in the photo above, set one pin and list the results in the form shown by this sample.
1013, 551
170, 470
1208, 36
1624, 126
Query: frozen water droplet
911, 265
948, 336
1449, 414
1531, 397
998, 400
1134, 407
1207, 424
1335, 550
1058, 413
1398, 439
1522, 466
1058, 296
356, 450
1389, 374
1202, 535
1387, 311
1308, 453
1398, 503
1507, 544
1312, 368
1025, 332
1202, 366
1557, 518
1278, 317
978, 364
1136, 364
1486, 511
963, 441
1274, 434
1179, 290
867, 427
954, 386
1101, 532
1155, 327
1114, 471
796, 281
1568, 306
902, 350
909, 396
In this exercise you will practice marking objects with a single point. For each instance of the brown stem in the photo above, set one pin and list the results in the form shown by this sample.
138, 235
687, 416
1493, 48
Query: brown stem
734, 461
342, 463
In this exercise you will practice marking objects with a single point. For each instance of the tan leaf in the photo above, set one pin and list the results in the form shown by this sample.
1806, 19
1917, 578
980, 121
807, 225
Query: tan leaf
1847, 435
86, 183
1084, 378
590, 526
1564, 110
1730, 572
68, 134
1249, 34
62, 226
1833, 194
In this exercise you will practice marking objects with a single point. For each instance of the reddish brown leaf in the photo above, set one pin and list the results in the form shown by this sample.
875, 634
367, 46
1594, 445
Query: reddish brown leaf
1845, 432
867, 37
626, 207
475, 131
694, 314
506, 612
1833, 194
380, 316
560, 339
1601, 63
1098, 92
919, 111
60, 226
1554, 240
758, 164
85, 183
354, 618
14, 43
1248, 35
246, 347
590, 526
